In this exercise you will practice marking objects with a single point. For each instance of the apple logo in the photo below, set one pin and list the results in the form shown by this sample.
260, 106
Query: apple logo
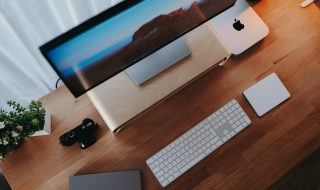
238, 25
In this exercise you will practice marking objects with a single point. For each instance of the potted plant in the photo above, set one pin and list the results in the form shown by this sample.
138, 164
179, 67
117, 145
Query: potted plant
19, 124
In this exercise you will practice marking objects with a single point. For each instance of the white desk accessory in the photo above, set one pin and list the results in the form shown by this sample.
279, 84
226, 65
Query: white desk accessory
306, 3
266, 94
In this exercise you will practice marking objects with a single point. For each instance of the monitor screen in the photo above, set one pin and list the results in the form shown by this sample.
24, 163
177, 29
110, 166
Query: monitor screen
115, 39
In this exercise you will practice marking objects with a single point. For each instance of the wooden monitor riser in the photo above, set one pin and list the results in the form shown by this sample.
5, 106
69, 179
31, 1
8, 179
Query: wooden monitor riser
119, 100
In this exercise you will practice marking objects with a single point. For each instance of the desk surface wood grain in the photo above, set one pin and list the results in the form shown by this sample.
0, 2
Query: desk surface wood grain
254, 159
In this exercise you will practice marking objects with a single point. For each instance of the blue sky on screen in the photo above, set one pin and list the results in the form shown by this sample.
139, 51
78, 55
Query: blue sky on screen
110, 35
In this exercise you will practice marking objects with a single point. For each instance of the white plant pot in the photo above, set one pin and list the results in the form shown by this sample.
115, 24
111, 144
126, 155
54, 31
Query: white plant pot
47, 126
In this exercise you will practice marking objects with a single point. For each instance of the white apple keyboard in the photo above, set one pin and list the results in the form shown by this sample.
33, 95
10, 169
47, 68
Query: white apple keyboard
197, 143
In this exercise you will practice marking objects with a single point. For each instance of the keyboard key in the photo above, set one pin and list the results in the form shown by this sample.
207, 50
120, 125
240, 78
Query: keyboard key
160, 173
156, 169
246, 118
238, 129
192, 163
150, 160
177, 174
161, 179
164, 183
171, 178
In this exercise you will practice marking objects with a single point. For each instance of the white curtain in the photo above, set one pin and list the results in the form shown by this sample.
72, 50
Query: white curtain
24, 26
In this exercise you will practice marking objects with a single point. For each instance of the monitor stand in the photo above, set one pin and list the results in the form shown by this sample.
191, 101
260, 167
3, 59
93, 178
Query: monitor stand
159, 61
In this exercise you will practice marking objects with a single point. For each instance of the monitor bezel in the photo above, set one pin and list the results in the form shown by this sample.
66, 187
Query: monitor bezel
94, 21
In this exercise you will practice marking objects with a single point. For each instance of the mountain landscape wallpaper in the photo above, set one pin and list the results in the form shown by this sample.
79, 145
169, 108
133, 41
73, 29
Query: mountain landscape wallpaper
104, 50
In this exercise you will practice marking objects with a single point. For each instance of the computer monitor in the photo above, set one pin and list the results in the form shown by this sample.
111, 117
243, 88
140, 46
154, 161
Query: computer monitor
123, 35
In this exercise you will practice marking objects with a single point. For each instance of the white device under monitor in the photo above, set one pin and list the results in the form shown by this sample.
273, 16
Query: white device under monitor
266, 94
239, 27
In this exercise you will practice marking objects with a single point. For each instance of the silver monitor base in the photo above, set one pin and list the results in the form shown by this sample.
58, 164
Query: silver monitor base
159, 61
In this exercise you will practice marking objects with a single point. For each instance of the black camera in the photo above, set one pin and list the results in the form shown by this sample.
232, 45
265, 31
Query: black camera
84, 134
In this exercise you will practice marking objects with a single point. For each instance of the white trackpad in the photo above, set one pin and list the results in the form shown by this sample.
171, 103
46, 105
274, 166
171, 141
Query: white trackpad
266, 94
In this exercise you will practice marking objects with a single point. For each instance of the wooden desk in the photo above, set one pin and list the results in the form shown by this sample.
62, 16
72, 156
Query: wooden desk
254, 159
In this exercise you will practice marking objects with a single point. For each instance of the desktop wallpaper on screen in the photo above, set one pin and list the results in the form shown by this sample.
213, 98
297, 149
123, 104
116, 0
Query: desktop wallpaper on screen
100, 52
